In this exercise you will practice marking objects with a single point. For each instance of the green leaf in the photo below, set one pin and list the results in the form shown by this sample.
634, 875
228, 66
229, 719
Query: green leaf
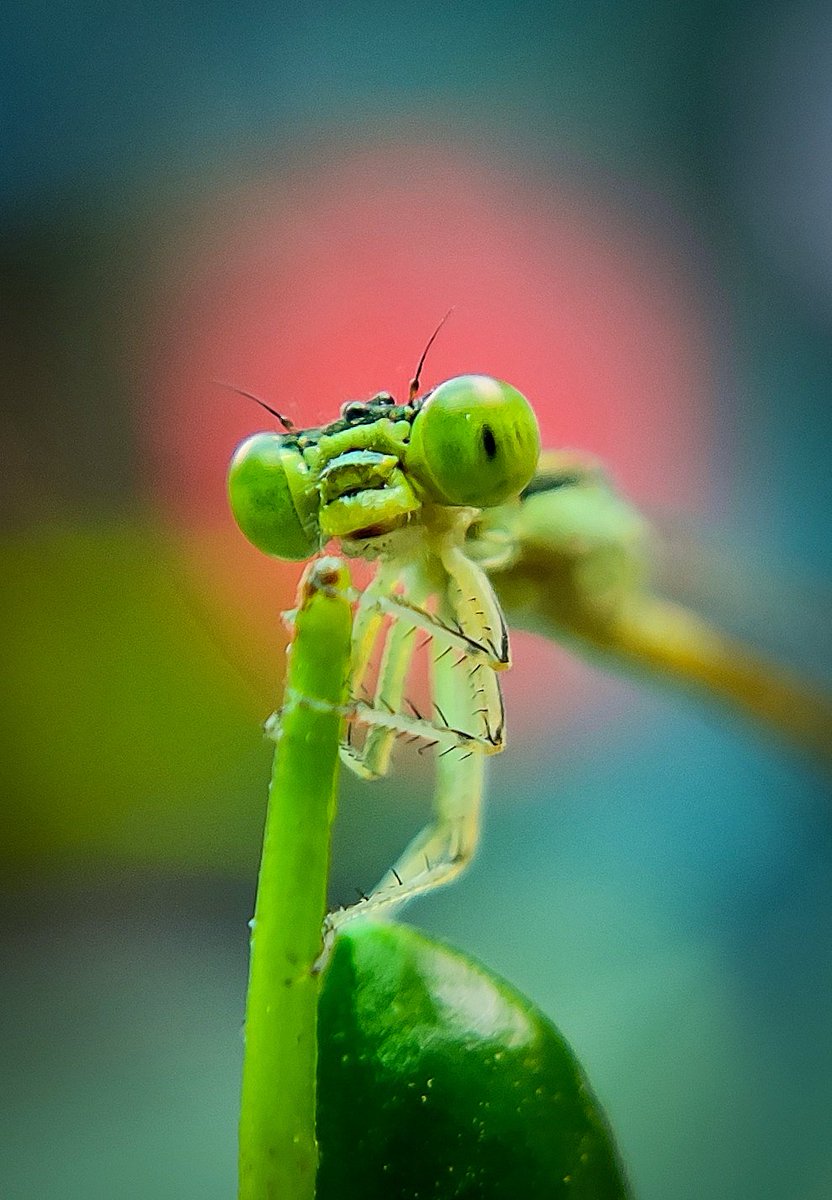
438, 1081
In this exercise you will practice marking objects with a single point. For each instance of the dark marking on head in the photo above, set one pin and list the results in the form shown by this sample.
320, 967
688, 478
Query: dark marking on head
489, 442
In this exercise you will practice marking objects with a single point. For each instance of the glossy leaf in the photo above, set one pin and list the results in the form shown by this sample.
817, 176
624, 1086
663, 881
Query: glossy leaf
438, 1081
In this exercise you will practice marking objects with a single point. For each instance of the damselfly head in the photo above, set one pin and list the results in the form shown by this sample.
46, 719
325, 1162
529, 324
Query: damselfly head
470, 442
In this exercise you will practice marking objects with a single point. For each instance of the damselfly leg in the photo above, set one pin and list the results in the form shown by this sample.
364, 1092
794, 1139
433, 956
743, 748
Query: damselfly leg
464, 634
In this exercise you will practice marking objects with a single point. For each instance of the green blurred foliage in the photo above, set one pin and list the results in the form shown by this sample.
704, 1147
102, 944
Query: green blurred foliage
127, 736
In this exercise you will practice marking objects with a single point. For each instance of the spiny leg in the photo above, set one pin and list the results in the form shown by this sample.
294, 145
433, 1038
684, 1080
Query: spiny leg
367, 621
464, 617
442, 849
410, 729
407, 618
397, 656
463, 692
470, 604
445, 847
470, 619
373, 758
475, 608
462, 620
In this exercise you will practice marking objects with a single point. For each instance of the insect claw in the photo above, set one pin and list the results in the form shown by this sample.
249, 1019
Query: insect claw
493, 738
398, 877
442, 716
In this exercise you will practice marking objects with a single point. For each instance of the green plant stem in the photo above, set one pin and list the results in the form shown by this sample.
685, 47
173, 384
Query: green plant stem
278, 1150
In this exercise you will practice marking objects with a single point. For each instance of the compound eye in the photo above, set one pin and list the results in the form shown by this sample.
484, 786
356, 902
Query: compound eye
474, 441
271, 497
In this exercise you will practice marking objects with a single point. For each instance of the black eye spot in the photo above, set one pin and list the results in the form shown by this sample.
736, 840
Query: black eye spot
489, 442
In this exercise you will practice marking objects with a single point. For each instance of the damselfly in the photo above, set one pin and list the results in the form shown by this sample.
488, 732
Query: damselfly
445, 495
400, 485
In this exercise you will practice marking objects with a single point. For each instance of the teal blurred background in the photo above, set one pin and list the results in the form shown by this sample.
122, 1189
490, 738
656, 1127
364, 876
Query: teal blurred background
630, 204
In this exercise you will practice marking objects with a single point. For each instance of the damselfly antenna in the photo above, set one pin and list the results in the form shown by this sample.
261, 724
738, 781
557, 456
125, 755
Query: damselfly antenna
414, 383
284, 421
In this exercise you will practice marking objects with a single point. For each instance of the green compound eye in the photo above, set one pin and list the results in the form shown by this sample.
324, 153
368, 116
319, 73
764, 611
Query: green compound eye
272, 498
474, 441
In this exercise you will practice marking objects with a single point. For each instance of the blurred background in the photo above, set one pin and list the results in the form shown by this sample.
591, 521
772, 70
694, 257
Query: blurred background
630, 205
